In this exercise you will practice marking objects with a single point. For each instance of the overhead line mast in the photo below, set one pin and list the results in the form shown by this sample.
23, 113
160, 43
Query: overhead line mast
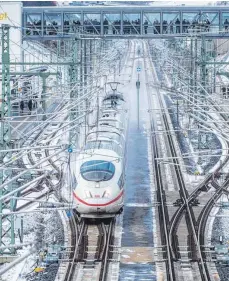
7, 234
73, 73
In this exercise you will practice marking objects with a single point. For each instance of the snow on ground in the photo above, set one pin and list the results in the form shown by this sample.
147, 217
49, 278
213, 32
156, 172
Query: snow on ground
221, 228
34, 223
42, 230
38, 227
188, 140
16, 273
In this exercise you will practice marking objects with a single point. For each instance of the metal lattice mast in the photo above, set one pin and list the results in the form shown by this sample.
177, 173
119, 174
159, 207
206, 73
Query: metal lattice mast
203, 82
203, 64
7, 235
203, 137
73, 135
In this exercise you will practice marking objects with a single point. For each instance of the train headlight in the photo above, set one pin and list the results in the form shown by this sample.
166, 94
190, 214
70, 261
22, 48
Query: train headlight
88, 194
106, 194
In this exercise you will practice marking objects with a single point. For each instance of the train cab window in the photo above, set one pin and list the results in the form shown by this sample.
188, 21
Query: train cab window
97, 170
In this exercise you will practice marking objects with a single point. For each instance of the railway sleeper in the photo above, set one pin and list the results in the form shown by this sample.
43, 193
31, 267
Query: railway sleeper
85, 244
202, 247
214, 184
164, 251
192, 252
89, 264
205, 188
176, 247
99, 246
163, 241
110, 254
82, 253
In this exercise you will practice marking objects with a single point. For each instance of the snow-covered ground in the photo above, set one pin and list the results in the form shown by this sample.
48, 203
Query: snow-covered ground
220, 228
43, 229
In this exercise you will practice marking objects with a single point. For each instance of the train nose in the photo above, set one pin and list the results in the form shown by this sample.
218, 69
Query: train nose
100, 209
99, 206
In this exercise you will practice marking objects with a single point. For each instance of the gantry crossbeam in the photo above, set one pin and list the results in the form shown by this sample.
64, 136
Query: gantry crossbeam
124, 22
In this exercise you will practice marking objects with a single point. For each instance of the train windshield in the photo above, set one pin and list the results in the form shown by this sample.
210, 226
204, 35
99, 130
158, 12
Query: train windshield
97, 170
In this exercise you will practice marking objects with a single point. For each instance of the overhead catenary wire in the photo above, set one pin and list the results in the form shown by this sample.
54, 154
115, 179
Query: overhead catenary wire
24, 154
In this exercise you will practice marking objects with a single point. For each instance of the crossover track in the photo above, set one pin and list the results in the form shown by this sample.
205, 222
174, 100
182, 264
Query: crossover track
169, 235
190, 217
196, 229
203, 217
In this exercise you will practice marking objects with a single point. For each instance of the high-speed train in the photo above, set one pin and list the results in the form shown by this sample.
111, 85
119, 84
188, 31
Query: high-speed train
100, 169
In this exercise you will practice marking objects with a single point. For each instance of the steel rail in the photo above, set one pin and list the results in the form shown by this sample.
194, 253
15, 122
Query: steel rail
204, 214
162, 207
176, 217
80, 248
183, 191
76, 244
203, 217
105, 238
104, 266
197, 191
185, 197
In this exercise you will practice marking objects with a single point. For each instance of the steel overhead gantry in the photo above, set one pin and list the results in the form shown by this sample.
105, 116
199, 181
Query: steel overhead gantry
124, 22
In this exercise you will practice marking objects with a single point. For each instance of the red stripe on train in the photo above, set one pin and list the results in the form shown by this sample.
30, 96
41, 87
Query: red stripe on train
98, 205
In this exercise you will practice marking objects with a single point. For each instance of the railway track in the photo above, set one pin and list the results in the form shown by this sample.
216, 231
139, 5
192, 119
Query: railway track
203, 217
161, 198
36, 138
91, 244
172, 242
92, 249
197, 229
193, 196
193, 245
38, 187
76, 239
36, 132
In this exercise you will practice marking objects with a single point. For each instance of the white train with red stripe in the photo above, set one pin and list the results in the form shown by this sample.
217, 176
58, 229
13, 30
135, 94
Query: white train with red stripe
99, 176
